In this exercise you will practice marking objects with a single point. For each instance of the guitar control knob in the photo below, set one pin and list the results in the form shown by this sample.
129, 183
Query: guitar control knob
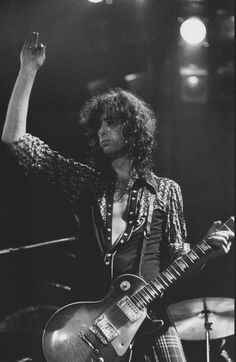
100, 359
125, 285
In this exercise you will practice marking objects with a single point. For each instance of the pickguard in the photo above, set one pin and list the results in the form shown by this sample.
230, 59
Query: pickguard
126, 335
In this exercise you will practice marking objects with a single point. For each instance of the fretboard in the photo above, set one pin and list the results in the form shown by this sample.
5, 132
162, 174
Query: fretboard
176, 270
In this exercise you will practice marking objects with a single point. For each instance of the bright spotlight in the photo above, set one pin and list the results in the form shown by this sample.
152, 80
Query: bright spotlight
193, 80
95, 1
193, 31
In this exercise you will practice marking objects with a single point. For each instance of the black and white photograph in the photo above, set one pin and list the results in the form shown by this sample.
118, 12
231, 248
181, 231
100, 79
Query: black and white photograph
117, 181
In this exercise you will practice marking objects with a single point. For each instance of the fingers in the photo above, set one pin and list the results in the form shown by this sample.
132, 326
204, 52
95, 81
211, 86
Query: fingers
226, 248
213, 228
226, 234
32, 42
220, 240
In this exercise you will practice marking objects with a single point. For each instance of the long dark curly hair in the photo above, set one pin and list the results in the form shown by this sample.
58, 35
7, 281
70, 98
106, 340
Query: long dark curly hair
121, 107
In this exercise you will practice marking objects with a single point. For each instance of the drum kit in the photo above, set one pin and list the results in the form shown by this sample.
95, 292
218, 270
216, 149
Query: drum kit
33, 286
204, 319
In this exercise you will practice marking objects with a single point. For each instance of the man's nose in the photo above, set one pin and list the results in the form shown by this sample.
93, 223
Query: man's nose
103, 130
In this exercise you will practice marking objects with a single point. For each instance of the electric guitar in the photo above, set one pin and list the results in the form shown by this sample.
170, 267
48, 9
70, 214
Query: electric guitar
104, 330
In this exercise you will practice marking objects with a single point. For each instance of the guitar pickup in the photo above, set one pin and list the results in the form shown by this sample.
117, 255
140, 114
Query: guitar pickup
129, 309
106, 327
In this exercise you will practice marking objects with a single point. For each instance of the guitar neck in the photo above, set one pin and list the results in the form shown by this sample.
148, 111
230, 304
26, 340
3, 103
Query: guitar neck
176, 270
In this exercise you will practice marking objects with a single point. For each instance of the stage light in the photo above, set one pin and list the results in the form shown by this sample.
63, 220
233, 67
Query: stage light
95, 1
193, 84
193, 31
193, 81
130, 77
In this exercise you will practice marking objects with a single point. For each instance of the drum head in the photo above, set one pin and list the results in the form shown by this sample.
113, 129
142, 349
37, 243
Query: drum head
21, 334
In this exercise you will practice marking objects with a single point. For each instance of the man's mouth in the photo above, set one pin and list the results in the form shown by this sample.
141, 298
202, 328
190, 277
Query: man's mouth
102, 142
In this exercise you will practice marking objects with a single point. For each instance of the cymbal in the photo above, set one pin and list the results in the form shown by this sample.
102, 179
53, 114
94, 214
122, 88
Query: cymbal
189, 317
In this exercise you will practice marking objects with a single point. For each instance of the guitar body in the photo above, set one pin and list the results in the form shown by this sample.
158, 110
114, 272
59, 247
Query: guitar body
68, 337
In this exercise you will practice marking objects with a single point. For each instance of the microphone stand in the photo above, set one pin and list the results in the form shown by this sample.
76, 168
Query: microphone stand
39, 245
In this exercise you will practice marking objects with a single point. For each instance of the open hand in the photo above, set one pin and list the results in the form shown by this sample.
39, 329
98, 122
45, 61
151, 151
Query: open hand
219, 240
33, 54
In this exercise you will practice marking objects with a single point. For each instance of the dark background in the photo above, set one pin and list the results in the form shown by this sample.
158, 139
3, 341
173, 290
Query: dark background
89, 48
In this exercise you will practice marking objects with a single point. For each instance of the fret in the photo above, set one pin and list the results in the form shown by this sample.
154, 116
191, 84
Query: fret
155, 287
146, 296
158, 284
205, 246
172, 266
140, 298
199, 247
151, 290
182, 264
168, 275
197, 250
171, 274
137, 301
160, 277
193, 255
187, 259
229, 224
226, 227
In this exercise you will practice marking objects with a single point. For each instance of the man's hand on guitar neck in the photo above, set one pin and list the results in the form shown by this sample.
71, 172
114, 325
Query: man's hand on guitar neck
219, 240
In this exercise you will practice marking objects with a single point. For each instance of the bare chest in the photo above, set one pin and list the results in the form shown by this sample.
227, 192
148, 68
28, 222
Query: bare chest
118, 222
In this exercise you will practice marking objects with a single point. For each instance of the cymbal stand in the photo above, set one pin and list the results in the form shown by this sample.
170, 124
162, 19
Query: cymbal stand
208, 328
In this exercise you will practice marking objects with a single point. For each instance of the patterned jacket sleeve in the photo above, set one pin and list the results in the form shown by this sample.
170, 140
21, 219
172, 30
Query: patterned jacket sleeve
176, 227
49, 166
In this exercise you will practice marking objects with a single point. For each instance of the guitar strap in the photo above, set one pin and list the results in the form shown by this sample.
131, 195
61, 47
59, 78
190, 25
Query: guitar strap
146, 233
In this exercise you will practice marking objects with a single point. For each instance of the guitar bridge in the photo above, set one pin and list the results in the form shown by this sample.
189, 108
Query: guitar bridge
106, 327
98, 335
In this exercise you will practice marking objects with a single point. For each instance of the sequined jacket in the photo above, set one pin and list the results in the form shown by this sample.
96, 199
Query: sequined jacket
155, 207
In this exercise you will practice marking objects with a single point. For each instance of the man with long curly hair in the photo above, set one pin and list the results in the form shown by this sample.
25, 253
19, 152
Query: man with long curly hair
131, 221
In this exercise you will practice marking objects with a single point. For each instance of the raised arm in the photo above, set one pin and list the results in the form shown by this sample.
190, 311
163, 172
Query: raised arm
32, 58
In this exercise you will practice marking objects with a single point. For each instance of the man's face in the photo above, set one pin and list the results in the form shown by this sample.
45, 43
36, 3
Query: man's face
111, 139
